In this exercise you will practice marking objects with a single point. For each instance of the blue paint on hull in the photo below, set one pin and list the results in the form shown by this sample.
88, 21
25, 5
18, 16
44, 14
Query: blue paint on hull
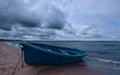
40, 54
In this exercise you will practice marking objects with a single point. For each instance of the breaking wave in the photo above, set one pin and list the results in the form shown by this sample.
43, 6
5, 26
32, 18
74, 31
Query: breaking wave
105, 60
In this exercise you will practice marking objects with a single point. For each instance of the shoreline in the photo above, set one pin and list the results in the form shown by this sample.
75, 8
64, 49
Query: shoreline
9, 56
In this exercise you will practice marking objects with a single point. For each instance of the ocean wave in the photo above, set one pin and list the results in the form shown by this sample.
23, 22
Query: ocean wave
105, 60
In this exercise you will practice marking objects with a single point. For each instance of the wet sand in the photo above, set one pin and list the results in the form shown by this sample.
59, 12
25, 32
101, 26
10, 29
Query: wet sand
9, 56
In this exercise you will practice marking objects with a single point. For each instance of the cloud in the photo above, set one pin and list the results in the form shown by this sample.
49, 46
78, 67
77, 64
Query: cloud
60, 19
54, 18
30, 13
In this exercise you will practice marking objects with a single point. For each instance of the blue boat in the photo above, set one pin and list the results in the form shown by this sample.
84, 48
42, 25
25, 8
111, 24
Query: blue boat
41, 54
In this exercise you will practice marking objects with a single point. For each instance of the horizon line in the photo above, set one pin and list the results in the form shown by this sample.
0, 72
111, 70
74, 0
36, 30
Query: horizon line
57, 40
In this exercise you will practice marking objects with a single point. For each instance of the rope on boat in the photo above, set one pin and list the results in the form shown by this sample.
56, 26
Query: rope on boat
21, 57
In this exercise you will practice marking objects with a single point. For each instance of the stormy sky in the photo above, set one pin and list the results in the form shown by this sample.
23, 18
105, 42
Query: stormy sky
60, 19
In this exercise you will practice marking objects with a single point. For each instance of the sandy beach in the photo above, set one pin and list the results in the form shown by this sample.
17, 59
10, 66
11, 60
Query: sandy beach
9, 56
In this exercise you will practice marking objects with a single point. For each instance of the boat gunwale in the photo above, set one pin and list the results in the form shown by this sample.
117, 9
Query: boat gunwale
54, 53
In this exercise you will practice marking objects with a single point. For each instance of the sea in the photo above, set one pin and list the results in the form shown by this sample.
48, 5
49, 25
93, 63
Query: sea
103, 56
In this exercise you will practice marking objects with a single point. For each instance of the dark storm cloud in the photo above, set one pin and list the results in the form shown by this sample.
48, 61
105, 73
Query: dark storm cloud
28, 22
5, 23
38, 19
28, 33
5, 27
14, 11
55, 18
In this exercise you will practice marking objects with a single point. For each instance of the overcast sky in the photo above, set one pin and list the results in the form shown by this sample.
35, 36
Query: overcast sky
60, 19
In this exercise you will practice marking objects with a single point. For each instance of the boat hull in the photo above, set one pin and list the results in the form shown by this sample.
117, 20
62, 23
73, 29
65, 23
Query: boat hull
34, 55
